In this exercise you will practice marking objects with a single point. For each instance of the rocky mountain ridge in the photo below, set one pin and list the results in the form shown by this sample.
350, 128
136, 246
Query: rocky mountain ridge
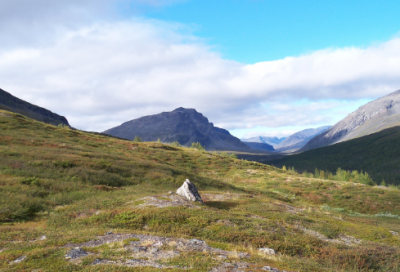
370, 118
11, 103
185, 126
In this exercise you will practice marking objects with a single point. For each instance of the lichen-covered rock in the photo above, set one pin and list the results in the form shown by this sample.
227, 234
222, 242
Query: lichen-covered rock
189, 191
267, 251
20, 259
75, 253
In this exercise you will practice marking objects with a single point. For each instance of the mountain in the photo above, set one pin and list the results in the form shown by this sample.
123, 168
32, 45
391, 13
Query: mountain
11, 103
299, 139
377, 154
369, 118
291, 143
260, 146
185, 126
273, 141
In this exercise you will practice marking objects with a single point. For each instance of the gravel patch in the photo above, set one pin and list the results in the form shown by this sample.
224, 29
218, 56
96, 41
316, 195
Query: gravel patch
342, 239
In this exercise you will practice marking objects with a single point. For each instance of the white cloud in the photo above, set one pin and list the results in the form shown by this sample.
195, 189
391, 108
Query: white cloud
100, 73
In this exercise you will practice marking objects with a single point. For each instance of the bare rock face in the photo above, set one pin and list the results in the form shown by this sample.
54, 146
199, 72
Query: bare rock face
189, 191
370, 118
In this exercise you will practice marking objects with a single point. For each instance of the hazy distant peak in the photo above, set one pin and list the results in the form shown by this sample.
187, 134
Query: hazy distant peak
300, 138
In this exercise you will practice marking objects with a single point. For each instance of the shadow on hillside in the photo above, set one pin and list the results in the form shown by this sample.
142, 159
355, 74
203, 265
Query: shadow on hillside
222, 205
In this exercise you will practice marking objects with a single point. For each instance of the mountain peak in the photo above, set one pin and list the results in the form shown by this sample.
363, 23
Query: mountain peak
185, 126
183, 109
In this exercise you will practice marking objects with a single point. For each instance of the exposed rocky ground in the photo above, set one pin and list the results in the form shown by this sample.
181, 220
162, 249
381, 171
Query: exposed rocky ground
155, 251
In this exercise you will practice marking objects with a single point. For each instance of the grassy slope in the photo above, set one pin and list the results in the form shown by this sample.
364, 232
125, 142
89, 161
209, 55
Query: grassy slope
377, 154
72, 186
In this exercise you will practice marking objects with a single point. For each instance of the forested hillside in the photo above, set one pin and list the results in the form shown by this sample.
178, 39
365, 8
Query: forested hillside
377, 154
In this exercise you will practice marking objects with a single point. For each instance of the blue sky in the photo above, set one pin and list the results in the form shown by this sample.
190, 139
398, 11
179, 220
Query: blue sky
255, 67
251, 31
264, 30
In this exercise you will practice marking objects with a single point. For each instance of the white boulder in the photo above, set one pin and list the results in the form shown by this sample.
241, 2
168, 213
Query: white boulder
267, 251
189, 191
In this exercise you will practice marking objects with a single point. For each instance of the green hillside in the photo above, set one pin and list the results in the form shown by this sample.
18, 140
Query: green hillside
63, 188
378, 154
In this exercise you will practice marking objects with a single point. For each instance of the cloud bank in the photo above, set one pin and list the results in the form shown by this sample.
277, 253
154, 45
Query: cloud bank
103, 70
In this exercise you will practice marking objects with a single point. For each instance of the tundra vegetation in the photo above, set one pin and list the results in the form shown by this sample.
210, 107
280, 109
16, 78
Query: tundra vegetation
60, 187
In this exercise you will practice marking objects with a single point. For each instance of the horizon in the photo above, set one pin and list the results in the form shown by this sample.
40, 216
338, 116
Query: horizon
255, 68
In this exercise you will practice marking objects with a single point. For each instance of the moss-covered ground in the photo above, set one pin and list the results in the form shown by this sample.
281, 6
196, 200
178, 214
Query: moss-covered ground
72, 186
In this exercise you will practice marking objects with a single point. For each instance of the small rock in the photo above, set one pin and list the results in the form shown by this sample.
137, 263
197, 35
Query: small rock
3, 249
44, 237
158, 244
18, 260
267, 251
394, 233
170, 192
153, 250
139, 249
197, 242
76, 253
242, 265
243, 255
269, 268
189, 191
97, 261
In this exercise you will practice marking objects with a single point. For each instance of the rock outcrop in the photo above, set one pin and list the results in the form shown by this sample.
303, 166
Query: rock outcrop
189, 191
75, 253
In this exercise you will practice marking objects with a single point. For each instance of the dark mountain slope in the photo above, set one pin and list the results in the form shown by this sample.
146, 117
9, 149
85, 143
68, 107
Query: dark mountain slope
260, 146
378, 154
372, 117
185, 126
11, 103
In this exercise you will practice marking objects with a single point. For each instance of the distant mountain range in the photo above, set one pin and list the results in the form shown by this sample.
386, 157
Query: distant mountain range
372, 117
299, 139
291, 143
273, 141
185, 126
11, 103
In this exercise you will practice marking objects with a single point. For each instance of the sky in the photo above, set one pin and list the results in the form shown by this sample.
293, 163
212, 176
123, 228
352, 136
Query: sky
254, 67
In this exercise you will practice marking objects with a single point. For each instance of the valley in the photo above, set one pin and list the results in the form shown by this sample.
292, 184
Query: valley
64, 188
